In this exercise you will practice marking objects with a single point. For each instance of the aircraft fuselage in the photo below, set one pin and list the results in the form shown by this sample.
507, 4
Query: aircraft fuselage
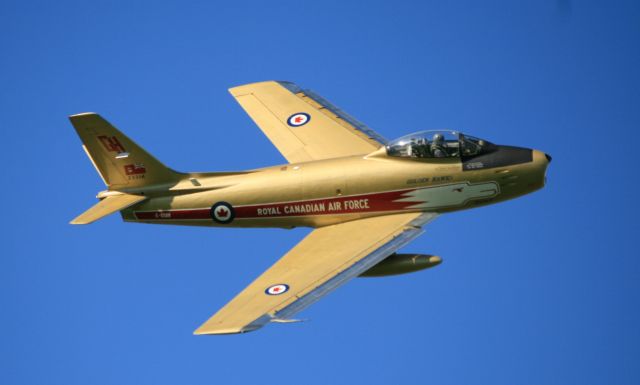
325, 192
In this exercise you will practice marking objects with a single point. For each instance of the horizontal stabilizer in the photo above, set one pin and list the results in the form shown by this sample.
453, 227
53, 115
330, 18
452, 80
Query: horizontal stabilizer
106, 206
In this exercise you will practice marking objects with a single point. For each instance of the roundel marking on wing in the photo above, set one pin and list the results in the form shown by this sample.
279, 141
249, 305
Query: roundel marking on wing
298, 119
277, 289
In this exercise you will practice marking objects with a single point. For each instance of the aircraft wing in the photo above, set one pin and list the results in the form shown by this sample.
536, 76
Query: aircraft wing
327, 258
303, 125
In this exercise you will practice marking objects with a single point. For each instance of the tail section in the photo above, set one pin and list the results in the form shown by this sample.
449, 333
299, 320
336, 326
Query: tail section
121, 163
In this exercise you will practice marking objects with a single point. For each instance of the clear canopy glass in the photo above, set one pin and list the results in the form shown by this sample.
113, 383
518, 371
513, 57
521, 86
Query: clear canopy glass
437, 144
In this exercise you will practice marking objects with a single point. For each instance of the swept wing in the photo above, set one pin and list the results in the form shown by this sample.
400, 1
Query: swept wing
322, 131
327, 258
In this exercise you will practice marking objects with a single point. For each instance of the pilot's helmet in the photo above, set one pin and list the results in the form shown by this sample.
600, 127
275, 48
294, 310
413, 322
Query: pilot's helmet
438, 138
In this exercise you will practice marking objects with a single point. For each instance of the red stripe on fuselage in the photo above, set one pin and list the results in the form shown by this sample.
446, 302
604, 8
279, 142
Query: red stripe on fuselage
173, 214
340, 205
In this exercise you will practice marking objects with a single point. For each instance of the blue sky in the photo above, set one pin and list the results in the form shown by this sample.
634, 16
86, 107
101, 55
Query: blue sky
540, 290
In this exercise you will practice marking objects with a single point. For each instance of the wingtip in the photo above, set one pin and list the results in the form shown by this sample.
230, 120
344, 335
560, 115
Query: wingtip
243, 89
205, 332
79, 221
206, 329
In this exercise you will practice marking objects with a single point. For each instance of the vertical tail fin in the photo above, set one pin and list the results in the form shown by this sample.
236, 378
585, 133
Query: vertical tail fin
121, 163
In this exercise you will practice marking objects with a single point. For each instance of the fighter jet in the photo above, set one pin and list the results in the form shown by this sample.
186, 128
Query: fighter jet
364, 197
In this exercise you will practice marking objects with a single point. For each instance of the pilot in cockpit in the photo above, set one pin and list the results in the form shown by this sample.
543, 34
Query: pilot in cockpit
420, 148
437, 146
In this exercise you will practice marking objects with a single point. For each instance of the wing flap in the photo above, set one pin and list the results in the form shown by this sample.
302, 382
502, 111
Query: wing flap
107, 206
327, 258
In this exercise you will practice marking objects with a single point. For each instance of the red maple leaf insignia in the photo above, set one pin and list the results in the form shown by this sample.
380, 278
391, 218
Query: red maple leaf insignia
222, 212
298, 119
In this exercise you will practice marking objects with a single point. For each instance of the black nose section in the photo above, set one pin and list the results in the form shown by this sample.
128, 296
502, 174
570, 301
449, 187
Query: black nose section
498, 156
548, 157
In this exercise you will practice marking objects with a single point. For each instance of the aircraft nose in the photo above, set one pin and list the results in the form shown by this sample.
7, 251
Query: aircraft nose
541, 158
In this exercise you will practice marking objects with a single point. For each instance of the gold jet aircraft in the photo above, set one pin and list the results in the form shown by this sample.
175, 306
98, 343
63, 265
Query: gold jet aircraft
365, 197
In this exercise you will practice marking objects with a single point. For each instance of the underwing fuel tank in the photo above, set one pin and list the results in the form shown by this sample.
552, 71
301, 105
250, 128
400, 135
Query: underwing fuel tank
402, 264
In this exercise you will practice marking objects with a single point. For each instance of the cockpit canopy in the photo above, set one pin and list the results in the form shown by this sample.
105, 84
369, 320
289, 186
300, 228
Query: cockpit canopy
437, 144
